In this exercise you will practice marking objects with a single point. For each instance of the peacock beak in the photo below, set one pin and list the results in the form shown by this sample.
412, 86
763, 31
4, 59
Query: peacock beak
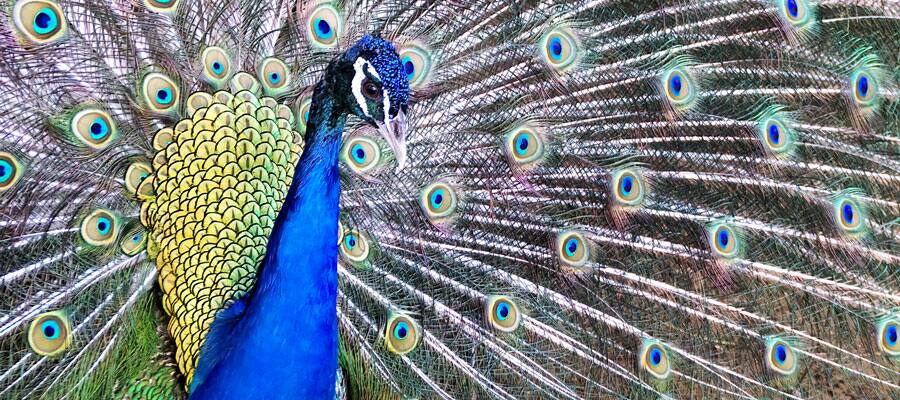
394, 131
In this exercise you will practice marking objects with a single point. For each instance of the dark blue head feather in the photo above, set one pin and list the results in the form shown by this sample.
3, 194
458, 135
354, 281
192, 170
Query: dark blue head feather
384, 58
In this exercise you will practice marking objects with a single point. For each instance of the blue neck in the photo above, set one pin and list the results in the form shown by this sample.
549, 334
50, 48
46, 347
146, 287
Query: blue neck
285, 343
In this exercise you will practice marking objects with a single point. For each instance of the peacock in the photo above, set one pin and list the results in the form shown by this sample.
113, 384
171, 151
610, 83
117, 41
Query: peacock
446, 199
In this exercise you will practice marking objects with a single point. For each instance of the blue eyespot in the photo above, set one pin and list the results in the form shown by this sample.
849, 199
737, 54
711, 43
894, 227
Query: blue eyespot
655, 357
45, 21
627, 185
723, 238
359, 154
136, 238
675, 84
103, 225
350, 241
323, 29
571, 247
862, 86
6, 171
164, 96
723, 242
50, 330
774, 134
437, 198
891, 335
847, 213
401, 330
792, 8
503, 311
99, 129
274, 78
522, 144
780, 354
217, 67
555, 48
408, 67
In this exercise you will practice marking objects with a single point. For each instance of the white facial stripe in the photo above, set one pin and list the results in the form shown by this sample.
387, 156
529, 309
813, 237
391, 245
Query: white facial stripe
387, 105
356, 85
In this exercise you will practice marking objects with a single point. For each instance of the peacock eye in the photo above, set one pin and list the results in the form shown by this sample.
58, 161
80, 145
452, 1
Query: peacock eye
502, 313
628, 187
10, 171
402, 334
133, 243
324, 26
162, 6
572, 249
417, 63
94, 128
655, 360
354, 247
439, 201
889, 337
361, 154
849, 215
525, 147
160, 93
216, 66
275, 76
723, 241
781, 357
39, 21
99, 228
865, 88
49, 333
372, 91
136, 174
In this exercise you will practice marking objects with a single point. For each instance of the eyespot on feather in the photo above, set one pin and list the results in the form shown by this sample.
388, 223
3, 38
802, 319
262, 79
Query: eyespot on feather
780, 357
654, 359
888, 337
100, 228
133, 242
94, 128
723, 241
355, 247
524, 146
680, 88
402, 334
560, 49
361, 154
302, 115
501, 313
628, 187
10, 171
417, 63
848, 214
216, 66
162, 6
135, 174
39, 21
160, 93
439, 201
50, 333
324, 26
572, 249
275, 76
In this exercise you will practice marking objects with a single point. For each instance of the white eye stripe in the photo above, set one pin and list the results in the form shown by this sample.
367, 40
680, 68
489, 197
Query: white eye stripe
356, 85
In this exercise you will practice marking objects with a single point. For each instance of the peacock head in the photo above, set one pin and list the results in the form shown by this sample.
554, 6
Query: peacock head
378, 89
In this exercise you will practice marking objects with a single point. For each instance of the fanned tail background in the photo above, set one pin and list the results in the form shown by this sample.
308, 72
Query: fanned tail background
603, 199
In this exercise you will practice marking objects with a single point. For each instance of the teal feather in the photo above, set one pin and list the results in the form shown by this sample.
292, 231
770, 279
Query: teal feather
647, 277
